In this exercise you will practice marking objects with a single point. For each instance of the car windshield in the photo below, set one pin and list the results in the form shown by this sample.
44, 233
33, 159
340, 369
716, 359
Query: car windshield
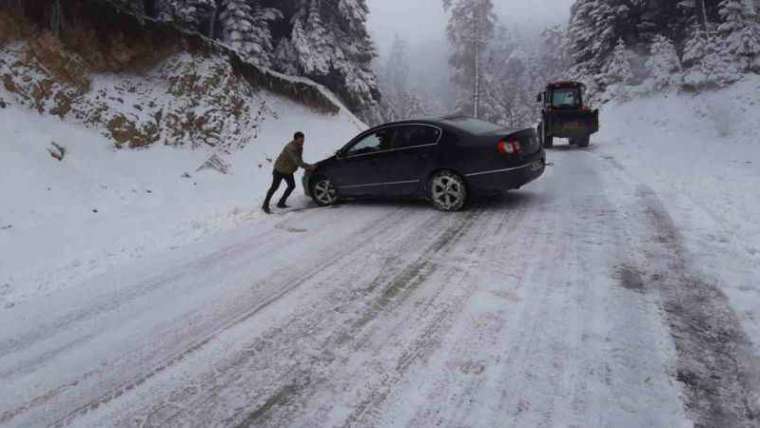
475, 126
567, 97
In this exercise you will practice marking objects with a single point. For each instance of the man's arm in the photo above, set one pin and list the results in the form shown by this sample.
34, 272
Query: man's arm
296, 156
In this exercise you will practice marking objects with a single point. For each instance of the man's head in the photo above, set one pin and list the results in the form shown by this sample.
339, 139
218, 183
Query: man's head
299, 138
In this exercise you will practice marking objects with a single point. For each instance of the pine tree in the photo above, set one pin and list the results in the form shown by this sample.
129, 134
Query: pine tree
553, 53
592, 35
396, 72
709, 64
190, 13
332, 46
393, 80
244, 26
618, 70
663, 64
470, 30
741, 31
695, 48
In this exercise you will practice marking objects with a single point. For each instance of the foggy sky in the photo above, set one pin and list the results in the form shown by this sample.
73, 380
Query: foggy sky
420, 21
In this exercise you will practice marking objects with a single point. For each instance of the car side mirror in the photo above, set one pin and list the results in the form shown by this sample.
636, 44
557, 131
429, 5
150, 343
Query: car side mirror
539, 98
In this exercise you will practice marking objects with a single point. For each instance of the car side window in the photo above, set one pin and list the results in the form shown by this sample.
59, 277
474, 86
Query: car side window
374, 142
416, 135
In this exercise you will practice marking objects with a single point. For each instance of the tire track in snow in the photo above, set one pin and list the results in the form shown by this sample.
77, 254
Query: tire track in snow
547, 337
716, 367
436, 316
280, 288
287, 341
390, 290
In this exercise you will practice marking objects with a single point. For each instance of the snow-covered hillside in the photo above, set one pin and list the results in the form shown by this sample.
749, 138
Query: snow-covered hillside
620, 289
701, 155
63, 221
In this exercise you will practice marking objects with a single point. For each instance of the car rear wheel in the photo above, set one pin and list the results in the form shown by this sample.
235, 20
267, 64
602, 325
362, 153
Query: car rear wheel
583, 141
324, 192
448, 191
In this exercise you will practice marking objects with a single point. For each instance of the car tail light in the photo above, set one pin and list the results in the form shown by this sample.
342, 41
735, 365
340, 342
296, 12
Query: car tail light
509, 147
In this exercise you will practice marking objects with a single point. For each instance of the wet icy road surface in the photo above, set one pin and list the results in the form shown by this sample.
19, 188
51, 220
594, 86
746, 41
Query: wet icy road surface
569, 303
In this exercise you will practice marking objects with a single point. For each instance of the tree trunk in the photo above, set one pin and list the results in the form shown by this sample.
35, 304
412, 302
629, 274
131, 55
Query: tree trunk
212, 24
56, 17
476, 92
149, 7
703, 7
476, 103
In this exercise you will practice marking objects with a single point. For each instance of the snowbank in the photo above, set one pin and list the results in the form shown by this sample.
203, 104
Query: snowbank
64, 221
701, 154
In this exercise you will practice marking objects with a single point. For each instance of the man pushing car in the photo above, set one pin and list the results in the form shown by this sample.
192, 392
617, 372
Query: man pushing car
286, 165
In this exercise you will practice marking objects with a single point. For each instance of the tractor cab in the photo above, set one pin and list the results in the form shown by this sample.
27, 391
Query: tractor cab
565, 115
563, 95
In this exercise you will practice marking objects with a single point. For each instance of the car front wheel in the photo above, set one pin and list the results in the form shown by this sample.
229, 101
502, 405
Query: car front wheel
324, 192
448, 191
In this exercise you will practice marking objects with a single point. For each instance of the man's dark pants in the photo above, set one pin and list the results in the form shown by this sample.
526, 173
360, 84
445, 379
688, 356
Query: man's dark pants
277, 178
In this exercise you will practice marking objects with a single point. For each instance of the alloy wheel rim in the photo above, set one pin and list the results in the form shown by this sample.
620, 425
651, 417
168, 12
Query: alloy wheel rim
325, 192
447, 192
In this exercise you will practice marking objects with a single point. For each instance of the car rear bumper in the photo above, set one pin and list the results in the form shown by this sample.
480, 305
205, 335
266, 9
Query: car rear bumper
508, 178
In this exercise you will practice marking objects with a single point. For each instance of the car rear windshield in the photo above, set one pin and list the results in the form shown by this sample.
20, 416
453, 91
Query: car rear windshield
475, 126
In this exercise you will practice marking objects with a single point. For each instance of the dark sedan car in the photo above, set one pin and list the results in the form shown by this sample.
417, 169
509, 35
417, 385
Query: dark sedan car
444, 160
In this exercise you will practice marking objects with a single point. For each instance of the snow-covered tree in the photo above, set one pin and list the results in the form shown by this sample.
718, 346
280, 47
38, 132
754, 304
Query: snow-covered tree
618, 70
332, 46
741, 31
616, 76
709, 64
192, 13
470, 30
396, 72
518, 66
245, 27
663, 64
592, 35
554, 53
399, 102
695, 48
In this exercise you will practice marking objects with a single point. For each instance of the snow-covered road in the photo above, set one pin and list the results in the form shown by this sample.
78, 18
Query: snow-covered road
570, 303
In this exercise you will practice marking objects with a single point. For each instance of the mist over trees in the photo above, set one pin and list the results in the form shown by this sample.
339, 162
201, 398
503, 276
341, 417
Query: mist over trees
488, 61
617, 47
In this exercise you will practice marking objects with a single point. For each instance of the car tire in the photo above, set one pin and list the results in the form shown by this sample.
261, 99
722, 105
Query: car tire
323, 192
447, 191
583, 141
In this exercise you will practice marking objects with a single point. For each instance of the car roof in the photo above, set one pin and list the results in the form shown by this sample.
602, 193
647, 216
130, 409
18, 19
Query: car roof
422, 121
450, 122
447, 120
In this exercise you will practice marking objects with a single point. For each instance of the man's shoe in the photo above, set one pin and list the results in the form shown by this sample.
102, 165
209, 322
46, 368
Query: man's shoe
283, 206
266, 210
